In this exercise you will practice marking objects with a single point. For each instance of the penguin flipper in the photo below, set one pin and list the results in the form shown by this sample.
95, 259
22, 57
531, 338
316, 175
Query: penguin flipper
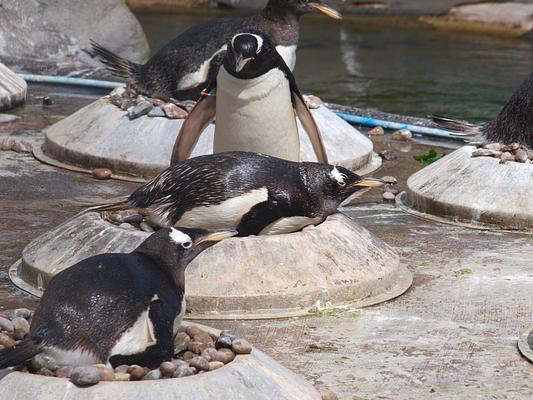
118, 66
457, 127
200, 117
21, 352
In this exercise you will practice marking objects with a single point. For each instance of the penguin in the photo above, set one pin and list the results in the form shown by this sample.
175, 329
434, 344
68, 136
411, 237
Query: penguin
180, 69
514, 123
254, 194
255, 105
116, 308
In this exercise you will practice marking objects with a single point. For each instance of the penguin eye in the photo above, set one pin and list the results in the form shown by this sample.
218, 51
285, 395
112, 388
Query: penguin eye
341, 183
186, 245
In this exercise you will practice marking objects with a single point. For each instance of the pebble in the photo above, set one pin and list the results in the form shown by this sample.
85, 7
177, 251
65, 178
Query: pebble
328, 395
313, 102
223, 342
85, 376
510, 148
192, 331
6, 341
390, 188
45, 372
214, 365
106, 373
122, 369
225, 355
127, 104
143, 107
389, 196
181, 338
209, 354
521, 155
483, 153
493, 146
127, 226
137, 373
146, 227
241, 346
167, 368
8, 118
6, 325
64, 372
7, 144
390, 179
156, 112
200, 363
153, 375
172, 111
196, 347
21, 146
403, 134
506, 156
183, 371
388, 155
118, 91
204, 338
122, 376
188, 355
101, 173
21, 328
228, 333
133, 219
377, 131
44, 361
47, 101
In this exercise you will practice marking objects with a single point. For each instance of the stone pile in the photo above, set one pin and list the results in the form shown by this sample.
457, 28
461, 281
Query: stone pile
512, 152
195, 352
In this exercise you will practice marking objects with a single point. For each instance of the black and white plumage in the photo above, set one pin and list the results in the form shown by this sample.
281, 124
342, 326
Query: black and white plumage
252, 193
180, 69
255, 105
116, 308
514, 123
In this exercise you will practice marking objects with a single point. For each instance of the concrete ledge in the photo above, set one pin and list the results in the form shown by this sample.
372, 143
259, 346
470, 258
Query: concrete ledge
473, 191
12, 89
336, 263
254, 376
101, 136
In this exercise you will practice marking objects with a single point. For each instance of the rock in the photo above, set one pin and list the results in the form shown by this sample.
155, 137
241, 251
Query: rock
137, 373
493, 146
200, 363
106, 373
6, 325
6, 341
7, 144
390, 188
21, 328
127, 104
45, 372
506, 156
172, 111
118, 91
183, 371
181, 338
180, 349
122, 369
312, 102
44, 361
223, 342
192, 331
146, 227
510, 148
377, 131
188, 355
225, 355
390, 179
153, 375
196, 347
47, 101
204, 338
328, 394
388, 155
85, 376
229, 334
21, 146
521, 155
64, 372
101, 173
530, 154
157, 112
483, 153
241, 346
122, 377
8, 118
403, 135
167, 368
56, 35
127, 226
142, 108
209, 354
214, 365
133, 219
389, 196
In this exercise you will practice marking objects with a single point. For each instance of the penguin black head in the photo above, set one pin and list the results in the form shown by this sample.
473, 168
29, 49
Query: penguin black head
251, 54
301, 7
334, 184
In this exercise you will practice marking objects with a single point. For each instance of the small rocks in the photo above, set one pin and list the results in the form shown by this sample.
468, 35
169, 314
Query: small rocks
328, 395
377, 131
388, 196
214, 365
64, 372
167, 368
388, 155
6, 326
122, 377
505, 153
44, 361
200, 363
142, 108
402, 135
172, 111
520, 155
145, 227
15, 144
506, 156
223, 342
241, 346
85, 376
225, 355
390, 191
47, 101
153, 375
101, 173
184, 371
22, 313
157, 112
390, 179
6, 340
21, 328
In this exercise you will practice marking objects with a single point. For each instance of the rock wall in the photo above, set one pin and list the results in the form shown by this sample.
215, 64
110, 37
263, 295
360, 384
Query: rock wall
58, 31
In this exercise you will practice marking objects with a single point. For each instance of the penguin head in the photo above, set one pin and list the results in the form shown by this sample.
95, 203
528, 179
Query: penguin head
334, 184
250, 54
300, 7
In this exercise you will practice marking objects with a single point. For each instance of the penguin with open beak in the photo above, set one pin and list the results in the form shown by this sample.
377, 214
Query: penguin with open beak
253, 193
255, 105
116, 308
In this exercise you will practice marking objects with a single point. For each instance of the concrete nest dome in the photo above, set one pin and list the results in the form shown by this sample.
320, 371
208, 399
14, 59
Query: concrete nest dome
336, 263
100, 135
525, 344
12, 89
477, 192
252, 376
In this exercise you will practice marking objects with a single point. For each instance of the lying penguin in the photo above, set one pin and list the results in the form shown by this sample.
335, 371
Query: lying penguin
514, 123
180, 69
252, 193
116, 308
255, 105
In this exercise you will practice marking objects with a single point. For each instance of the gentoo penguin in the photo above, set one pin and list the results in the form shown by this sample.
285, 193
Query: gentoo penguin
514, 123
116, 308
180, 69
255, 104
252, 193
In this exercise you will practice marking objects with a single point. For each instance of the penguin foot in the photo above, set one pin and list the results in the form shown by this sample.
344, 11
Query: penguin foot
312, 102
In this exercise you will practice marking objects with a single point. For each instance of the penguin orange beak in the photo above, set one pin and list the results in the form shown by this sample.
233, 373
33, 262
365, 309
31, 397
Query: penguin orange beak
369, 182
240, 63
217, 235
325, 9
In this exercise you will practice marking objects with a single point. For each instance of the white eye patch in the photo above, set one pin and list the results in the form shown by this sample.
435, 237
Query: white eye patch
180, 238
258, 38
338, 176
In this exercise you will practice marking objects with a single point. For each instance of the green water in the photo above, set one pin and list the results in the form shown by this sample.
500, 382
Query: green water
394, 65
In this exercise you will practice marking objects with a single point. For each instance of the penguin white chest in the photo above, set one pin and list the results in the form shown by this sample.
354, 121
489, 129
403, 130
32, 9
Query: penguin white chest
256, 115
288, 53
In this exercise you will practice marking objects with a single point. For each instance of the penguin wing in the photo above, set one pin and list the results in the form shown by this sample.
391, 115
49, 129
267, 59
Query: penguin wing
306, 118
200, 117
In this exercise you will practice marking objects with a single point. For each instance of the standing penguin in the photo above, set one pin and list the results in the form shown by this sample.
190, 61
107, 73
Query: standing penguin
514, 123
117, 308
180, 69
252, 193
255, 105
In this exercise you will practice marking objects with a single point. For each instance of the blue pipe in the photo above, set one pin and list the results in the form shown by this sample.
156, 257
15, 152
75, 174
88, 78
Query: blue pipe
372, 122
66, 80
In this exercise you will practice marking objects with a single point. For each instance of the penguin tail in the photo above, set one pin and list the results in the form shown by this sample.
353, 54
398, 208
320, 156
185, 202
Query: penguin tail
116, 204
117, 65
457, 127
18, 354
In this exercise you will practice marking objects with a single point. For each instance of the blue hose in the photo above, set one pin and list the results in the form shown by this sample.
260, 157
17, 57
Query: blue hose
354, 119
